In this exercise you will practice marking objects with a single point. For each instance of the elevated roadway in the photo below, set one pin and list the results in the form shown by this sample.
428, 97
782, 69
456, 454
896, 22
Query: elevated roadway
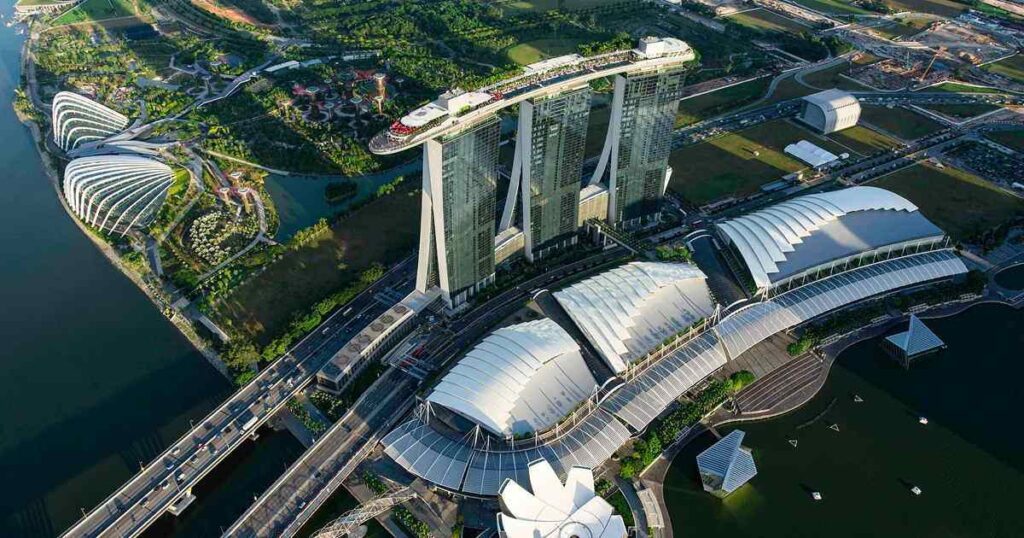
289, 503
165, 484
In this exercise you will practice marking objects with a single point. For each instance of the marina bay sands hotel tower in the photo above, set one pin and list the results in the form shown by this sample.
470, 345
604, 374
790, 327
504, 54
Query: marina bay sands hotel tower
462, 236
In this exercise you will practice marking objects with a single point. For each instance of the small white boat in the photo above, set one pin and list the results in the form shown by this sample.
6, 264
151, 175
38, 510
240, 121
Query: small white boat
816, 495
923, 420
915, 490
834, 427
793, 442
857, 398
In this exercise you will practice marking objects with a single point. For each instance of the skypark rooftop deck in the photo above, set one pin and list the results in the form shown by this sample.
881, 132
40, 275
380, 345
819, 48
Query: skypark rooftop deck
456, 109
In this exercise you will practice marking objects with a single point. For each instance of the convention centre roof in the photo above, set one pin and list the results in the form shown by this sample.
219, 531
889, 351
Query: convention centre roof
800, 235
627, 311
519, 379
555, 509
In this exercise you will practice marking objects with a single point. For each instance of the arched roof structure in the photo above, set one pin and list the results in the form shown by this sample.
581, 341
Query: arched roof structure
794, 237
79, 120
116, 192
831, 110
519, 379
628, 310
556, 510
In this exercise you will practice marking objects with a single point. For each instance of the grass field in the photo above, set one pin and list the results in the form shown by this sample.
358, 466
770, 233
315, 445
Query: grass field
96, 10
837, 7
763, 19
945, 8
542, 49
832, 78
1011, 139
964, 111
382, 232
704, 106
1012, 67
547, 5
728, 166
953, 87
901, 122
863, 140
960, 203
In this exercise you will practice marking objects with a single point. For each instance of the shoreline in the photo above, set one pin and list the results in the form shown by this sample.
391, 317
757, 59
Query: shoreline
829, 355
155, 297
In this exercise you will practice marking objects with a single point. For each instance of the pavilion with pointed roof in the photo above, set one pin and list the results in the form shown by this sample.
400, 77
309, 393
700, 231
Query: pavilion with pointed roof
726, 465
917, 340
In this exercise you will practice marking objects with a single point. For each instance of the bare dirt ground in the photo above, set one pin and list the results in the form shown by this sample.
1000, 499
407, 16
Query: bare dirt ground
230, 13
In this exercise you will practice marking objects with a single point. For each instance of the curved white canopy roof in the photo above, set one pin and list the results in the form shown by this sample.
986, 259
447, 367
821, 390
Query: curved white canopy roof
78, 120
769, 237
116, 192
629, 310
556, 510
519, 379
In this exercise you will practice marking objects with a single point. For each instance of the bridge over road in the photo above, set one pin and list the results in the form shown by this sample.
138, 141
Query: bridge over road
166, 483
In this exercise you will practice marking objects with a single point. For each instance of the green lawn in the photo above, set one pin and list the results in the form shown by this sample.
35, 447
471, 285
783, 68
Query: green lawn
836, 7
737, 164
960, 203
832, 78
953, 87
902, 28
382, 232
547, 5
1011, 139
717, 102
963, 112
96, 10
762, 19
1012, 67
945, 8
901, 122
542, 49
863, 140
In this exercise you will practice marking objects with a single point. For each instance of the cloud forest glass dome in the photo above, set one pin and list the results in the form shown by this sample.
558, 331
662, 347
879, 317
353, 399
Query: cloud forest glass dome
116, 192
79, 120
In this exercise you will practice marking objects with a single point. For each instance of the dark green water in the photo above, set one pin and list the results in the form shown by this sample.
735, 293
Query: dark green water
1012, 278
300, 201
93, 378
968, 461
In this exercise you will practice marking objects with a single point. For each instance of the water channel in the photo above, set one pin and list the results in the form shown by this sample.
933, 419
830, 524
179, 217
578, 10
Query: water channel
967, 460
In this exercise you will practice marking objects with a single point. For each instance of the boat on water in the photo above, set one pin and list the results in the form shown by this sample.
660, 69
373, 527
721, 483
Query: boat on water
923, 420
915, 490
816, 495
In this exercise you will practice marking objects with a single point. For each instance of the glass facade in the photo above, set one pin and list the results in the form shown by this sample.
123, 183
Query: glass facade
462, 172
558, 131
649, 104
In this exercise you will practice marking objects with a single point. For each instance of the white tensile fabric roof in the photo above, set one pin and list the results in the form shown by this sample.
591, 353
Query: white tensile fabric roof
627, 311
832, 99
768, 238
519, 379
556, 510
810, 153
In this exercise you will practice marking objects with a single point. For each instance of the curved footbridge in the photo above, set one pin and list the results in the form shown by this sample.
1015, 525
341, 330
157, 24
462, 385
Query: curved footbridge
476, 465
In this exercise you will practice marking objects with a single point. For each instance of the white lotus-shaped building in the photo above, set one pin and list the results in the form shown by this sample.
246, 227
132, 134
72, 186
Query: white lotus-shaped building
78, 120
554, 510
116, 192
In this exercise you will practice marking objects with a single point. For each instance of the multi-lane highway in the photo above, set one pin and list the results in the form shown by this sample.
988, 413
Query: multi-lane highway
167, 481
292, 499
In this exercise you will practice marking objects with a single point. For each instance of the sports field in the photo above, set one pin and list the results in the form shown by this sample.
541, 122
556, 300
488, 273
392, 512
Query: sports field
762, 19
541, 49
901, 122
1011, 139
737, 164
1012, 67
945, 8
382, 232
863, 140
960, 203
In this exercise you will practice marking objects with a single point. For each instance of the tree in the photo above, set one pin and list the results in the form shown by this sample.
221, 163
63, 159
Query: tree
241, 356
